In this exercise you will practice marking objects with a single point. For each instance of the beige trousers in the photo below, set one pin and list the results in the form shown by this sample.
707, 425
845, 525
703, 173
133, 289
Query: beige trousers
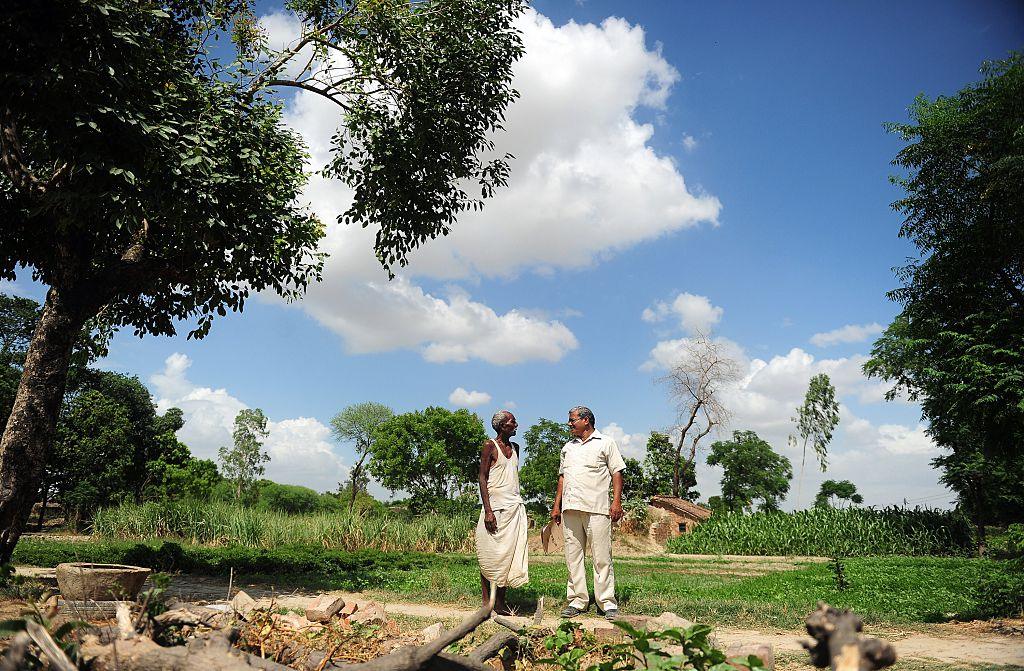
578, 527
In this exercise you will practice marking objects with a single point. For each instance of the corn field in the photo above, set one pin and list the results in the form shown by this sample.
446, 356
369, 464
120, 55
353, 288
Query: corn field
227, 524
832, 532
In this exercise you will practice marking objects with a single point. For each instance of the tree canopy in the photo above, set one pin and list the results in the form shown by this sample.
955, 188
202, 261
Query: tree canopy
957, 345
242, 461
841, 490
147, 177
433, 454
538, 475
753, 472
356, 424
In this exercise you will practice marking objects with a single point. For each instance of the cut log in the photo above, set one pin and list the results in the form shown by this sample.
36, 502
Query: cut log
491, 646
188, 615
839, 645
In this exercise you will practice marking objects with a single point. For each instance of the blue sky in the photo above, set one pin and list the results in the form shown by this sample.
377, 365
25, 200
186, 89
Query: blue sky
720, 165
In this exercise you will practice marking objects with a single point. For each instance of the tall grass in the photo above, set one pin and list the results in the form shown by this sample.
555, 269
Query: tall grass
227, 524
832, 532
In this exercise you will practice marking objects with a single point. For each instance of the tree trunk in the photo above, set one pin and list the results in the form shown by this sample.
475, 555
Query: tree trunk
33, 422
42, 506
357, 470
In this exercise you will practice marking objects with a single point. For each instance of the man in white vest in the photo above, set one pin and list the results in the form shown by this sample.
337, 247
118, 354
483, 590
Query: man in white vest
589, 463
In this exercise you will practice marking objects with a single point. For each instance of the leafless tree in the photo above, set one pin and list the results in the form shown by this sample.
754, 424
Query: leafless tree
695, 382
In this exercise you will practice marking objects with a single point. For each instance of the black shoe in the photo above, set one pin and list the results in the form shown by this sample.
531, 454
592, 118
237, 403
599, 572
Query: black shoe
611, 614
570, 611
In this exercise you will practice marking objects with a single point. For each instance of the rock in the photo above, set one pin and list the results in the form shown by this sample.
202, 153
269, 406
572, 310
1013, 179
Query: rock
349, 608
762, 650
636, 621
609, 634
371, 613
324, 607
669, 620
432, 632
243, 604
295, 621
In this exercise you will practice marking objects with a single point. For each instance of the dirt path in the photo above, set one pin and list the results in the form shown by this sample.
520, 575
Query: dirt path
966, 643
945, 644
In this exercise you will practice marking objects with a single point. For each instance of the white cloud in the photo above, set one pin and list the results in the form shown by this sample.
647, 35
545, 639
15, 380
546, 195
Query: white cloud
887, 461
299, 448
695, 313
380, 316
630, 444
850, 333
468, 399
586, 183
689, 142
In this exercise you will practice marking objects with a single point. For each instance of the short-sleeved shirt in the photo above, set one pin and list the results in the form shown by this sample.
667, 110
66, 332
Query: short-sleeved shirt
587, 467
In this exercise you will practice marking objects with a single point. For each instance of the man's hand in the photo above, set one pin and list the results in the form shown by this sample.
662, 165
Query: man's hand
490, 522
556, 516
615, 511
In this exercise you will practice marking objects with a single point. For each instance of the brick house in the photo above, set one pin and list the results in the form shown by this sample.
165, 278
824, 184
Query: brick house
671, 516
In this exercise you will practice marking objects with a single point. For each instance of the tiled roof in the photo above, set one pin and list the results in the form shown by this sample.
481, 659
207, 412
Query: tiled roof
681, 507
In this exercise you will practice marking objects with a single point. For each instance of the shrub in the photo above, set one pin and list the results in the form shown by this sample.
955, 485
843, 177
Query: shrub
291, 499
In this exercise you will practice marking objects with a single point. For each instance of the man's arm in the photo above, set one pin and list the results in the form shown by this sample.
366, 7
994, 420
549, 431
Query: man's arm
487, 456
615, 511
556, 509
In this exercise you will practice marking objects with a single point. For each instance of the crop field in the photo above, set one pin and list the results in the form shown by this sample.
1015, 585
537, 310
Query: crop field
831, 532
225, 524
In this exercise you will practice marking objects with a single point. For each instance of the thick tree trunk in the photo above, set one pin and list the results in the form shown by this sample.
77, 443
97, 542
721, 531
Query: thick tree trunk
32, 425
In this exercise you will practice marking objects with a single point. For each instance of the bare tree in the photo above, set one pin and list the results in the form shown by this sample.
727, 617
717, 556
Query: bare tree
695, 382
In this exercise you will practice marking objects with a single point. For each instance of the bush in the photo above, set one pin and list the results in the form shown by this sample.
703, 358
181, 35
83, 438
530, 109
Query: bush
830, 532
292, 499
350, 570
1001, 593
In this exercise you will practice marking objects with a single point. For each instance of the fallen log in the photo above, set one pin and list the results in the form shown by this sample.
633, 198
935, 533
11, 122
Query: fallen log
493, 645
839, 645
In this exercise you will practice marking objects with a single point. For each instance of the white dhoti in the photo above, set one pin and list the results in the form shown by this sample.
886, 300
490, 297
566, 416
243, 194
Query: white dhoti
503, 556
504, 559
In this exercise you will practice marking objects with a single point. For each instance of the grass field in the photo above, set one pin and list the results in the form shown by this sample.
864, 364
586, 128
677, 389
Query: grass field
883, 590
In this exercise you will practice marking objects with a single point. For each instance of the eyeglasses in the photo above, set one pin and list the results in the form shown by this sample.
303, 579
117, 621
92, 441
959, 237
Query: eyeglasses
573, 421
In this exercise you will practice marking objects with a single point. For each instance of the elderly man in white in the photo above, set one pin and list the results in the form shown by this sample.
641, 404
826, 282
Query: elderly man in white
588, 464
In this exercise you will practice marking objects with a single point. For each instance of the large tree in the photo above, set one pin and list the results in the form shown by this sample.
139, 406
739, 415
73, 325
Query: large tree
433, 454
109, 440
538, 476
696, 381
242, 461
146, 176
753, 472
815, 421
957, 345
840, 490
356, 424
659, 469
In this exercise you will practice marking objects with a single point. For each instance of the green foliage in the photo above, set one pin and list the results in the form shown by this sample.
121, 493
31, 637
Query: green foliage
349, 569
1001, 593
218, 523
538, 474
659, 462
192, 480
817, 418
655, 650
356, 424
433, 454
830, 532
843, 490
243, 461
293, 499
839, 571
753, 471
957, 346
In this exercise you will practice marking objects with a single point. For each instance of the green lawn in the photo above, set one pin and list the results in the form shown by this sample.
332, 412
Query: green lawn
883, 590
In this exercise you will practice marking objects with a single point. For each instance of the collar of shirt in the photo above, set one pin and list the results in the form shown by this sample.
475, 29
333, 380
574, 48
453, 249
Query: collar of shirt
596, 435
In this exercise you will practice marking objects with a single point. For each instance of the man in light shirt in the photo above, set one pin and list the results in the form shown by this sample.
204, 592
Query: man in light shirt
588, 464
